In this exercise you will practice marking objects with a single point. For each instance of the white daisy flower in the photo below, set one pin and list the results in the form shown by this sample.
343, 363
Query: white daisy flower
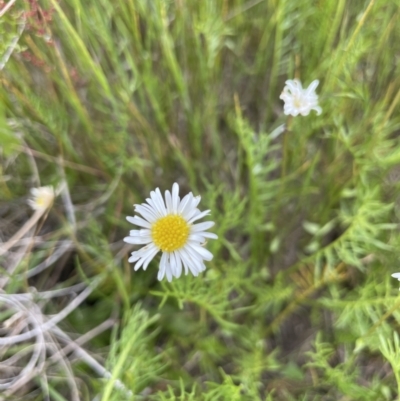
42, 198
168, 227
298, 100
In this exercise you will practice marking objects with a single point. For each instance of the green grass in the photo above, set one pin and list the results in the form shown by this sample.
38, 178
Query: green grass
116, 98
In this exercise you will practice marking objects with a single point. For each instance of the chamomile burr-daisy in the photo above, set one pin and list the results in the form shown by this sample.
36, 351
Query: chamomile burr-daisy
168, 226
298, 100
42, 198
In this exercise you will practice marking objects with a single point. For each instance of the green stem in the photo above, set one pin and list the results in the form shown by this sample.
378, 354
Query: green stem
285, 145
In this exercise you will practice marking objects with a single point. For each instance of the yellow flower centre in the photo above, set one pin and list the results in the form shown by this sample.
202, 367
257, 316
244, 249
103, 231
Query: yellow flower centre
170, 232
297, 102
42, 201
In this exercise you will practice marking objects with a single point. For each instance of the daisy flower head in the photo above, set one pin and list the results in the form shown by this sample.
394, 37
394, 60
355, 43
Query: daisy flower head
168, 226
41, 198
298, 100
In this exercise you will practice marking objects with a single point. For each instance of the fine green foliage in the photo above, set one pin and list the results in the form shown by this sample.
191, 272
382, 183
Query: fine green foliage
108, 100
131, 357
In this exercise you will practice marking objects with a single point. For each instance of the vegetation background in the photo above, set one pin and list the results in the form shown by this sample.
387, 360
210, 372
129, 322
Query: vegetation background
107, 100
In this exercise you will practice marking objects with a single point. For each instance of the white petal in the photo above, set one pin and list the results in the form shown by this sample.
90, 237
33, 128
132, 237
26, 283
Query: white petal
148, 213
138, 221
169, 266
189, 211
139, 264
168, 202
161, 201
203, 252
184, 202
138, 240
197, 200
153, 206
168, 272
203, 266
202, 235
158, 201
140, 233
318, 110
197, 238
149, 258
195, 228
190, 262
145, 260
183, 258
199, 216
196, 267
171, 261
311, 88
175, 197
294, 85
396, 275
178, 264
294, 112
142, 252
208, 235
192, 254
163, 266
197, 211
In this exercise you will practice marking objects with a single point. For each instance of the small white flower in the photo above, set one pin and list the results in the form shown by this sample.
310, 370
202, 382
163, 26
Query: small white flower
42, 198
396, 276
298, 100
168, 227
